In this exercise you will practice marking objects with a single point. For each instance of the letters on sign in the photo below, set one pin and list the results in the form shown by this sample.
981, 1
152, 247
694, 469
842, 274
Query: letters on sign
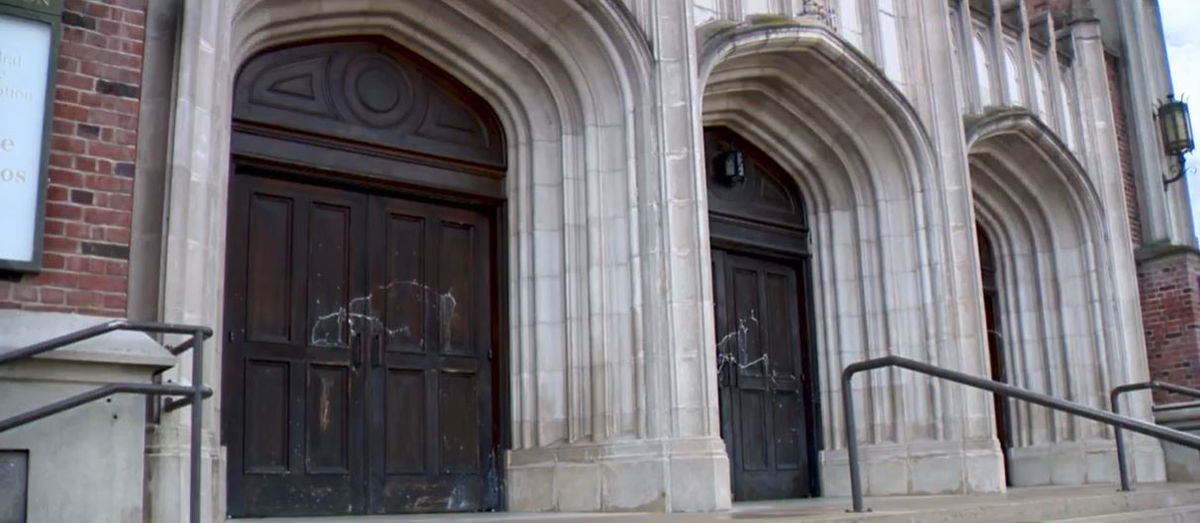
24, 75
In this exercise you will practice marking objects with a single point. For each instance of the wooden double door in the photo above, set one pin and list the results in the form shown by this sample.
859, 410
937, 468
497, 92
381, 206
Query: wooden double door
359, 353
765, 391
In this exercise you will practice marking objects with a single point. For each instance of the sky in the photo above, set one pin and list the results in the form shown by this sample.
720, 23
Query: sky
1181, 19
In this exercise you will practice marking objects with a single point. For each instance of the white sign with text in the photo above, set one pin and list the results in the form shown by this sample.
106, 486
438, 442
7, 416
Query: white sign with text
24, 59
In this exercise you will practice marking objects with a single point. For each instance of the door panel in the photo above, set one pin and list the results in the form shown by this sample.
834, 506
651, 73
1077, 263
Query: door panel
328, 403
296, 398
405, 295
266, 443
405, 420
269, 300
763, 392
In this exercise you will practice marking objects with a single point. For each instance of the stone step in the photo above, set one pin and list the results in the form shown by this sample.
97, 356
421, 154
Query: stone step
1038, 504
1181, 514
1097, 503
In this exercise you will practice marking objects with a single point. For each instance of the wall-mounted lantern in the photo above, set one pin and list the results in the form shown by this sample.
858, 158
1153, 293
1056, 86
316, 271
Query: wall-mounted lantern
730, 167
1175, 129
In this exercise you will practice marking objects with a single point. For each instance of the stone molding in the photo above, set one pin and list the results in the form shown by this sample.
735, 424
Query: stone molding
24, 328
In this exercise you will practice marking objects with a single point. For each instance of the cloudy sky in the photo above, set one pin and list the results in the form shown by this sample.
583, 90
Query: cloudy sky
1181, 21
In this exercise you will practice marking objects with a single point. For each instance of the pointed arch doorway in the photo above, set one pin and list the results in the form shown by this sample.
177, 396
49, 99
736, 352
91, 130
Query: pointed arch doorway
989, 281
361, 298
767, 384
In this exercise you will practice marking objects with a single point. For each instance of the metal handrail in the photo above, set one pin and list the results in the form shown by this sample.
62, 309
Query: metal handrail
994, 387
190, 394
1130, 387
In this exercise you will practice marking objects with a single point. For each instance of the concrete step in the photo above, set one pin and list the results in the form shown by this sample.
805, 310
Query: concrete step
1098, 503
1036, 504
1181, 514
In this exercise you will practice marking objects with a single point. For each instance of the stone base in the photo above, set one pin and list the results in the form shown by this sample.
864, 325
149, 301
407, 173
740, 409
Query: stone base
168, 472
86, 463
676, 475
1182, 463
1079, 463
934, 467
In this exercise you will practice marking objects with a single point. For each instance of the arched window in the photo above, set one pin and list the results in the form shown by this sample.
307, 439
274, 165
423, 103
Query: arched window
849, 23
983, 72
1043, 108
1014, 77
890, 46
1067, 103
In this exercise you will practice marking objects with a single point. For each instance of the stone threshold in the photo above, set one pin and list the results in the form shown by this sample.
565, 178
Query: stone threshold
1018, 504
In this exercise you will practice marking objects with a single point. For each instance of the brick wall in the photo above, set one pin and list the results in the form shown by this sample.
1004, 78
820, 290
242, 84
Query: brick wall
90, 194
1123, 150
1170, 296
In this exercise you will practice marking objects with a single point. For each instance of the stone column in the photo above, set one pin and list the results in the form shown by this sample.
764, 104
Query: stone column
1126, 361
677, 462
966, 413
699, 475
192, 283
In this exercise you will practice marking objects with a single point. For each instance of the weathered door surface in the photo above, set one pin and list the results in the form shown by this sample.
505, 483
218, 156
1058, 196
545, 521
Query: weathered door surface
760, 366
431, 406
297, 261
358, 356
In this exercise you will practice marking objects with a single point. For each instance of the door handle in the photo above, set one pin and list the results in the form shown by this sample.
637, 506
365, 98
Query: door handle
377, 357
356, 349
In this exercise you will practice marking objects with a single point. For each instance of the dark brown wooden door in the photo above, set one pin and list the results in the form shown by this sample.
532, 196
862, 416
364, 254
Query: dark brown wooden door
762, 391
431, 374
358, 361
297, 264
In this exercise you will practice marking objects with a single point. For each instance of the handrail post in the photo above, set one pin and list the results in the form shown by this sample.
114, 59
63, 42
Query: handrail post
1008, 391
197, 422
1122, 466
851, 442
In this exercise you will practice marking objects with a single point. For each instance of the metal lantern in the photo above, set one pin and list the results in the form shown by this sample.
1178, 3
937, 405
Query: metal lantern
1175, 126
730, 167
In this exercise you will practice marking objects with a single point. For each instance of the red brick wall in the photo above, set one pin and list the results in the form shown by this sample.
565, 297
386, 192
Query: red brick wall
1123, 150
90, 195
1170, 295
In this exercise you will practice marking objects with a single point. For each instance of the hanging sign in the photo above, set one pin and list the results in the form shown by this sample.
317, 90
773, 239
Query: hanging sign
30, 31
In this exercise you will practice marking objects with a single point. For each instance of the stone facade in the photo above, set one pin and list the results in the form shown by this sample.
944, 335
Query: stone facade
905, 124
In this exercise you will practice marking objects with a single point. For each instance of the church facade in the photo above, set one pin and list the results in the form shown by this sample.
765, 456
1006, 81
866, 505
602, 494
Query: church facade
613, 255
